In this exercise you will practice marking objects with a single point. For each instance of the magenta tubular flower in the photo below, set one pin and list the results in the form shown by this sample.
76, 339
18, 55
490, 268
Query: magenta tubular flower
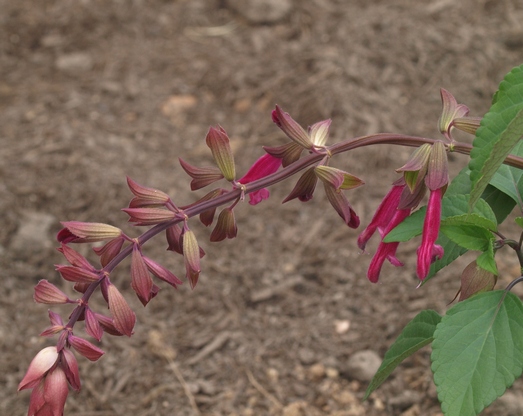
428, 251
264, 166
384, 214
387, 251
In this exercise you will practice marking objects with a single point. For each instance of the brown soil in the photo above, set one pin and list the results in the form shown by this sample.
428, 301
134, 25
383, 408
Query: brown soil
91, 91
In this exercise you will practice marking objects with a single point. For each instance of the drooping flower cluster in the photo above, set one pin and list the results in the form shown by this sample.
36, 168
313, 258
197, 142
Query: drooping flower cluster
427, 169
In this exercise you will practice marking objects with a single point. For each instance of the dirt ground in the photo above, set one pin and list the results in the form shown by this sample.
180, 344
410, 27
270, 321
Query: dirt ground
92, 90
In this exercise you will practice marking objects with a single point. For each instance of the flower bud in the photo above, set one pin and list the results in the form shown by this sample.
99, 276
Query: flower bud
92, 326
41, 364
438, 171
304, 188
91, 231
201, 177
109, 251
141, 281
48, 293
191, 255
225, 227
451, 111
70, 367
84, 347
219, 143
288, 153
476, 280
161, 272
337, 178
77, 274
123, 316
291, 128
145, 196
148, 216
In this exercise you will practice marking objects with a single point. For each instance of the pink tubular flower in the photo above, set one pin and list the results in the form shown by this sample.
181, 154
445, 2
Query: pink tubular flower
386, 251
384, 214
428, 251
264, 166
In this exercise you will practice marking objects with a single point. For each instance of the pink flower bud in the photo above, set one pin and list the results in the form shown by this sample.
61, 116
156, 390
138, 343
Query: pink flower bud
107, 325
145, 196
288, 153
148, 216
451, 111
110, 250
191, 255
75, 258
91, 231
225, 227
77, 274
70, 367
201, 177
291, 128
141, 281
161, 272
41, 364
57, 325
55, 392
438, 171
84, 347
337, 178
123, 316
92, 326
48, 293
304, 188
219, 143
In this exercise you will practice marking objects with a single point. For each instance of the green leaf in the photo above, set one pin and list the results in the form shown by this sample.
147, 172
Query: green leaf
501, 204
470, 219
477, 352
416, 334
519, 221
487, 261
470, 237
501, 128
451, 252
409, 228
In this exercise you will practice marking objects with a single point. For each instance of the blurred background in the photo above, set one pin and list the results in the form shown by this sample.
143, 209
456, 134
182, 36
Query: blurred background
283, 320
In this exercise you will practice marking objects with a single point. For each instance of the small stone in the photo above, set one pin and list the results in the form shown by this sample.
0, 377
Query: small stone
317, 371
273, 375
342, 327
74, 62
262, 11
405, 399
362, 365
332, 372
306, 356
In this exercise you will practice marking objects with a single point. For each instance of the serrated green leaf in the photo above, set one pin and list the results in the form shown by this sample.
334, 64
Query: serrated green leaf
519, 221
470, 237
501, 128
460, 185
409, 228
487, 261
470, 219
416, 334
477, 352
